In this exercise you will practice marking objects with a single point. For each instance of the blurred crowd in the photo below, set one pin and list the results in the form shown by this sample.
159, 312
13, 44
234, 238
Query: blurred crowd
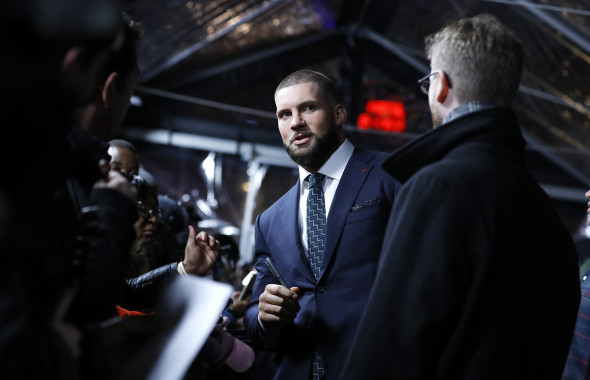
441, 260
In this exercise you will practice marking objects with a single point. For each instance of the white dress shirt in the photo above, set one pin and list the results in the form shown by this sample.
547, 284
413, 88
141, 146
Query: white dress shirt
332, 169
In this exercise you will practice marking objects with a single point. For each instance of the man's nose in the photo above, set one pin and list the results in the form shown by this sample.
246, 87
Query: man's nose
297, 121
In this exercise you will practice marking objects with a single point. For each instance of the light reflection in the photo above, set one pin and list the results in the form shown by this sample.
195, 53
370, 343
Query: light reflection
244, 28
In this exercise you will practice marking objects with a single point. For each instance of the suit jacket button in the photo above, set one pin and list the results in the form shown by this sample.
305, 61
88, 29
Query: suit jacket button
320, 289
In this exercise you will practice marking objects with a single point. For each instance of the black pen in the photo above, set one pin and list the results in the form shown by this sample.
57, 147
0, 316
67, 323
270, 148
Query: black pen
275, 272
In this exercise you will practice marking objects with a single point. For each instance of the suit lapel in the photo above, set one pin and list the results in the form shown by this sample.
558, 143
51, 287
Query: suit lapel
357, 170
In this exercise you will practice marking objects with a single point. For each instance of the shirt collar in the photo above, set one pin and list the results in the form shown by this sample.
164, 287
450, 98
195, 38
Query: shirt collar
335, 165
465, 109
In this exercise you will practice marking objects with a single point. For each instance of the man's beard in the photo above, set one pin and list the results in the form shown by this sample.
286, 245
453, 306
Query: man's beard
317, 151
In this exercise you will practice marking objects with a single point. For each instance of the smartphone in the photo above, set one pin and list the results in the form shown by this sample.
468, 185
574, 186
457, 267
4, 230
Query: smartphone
248, 284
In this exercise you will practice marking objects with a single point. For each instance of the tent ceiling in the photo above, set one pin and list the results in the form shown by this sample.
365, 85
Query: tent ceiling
210, 67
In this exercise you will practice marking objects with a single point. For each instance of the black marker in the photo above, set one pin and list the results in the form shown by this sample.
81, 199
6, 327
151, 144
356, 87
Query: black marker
275, 272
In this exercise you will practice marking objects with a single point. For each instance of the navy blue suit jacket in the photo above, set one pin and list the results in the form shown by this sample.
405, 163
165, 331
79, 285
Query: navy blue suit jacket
330, 307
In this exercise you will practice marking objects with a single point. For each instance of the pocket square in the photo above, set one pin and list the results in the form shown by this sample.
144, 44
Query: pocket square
370, 202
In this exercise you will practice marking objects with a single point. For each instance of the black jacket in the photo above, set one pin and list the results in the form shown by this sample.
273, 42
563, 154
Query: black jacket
478, 277
97, 229
105, 221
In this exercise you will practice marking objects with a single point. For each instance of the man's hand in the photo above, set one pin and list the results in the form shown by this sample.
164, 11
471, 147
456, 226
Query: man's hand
278, 305
200, 253
239, 307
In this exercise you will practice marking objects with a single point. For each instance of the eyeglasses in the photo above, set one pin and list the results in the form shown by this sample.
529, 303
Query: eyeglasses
146, 212
425, 82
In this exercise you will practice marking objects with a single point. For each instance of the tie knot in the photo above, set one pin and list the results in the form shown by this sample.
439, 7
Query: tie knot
316, 179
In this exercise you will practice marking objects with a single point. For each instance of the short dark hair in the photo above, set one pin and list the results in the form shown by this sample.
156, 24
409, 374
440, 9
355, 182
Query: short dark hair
120, 143
482, 57
324, 83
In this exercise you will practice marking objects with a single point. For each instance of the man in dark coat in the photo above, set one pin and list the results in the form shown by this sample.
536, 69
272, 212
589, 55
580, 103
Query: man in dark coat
478, 277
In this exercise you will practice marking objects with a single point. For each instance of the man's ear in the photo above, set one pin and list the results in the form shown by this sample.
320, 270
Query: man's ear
70, 58
340, 114
443, 90
108, 88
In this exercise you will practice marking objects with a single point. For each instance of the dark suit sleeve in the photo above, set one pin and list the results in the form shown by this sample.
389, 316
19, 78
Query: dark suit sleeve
263, 278
290, 337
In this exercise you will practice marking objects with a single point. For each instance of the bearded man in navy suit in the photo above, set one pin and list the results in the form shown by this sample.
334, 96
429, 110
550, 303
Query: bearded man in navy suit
313, 320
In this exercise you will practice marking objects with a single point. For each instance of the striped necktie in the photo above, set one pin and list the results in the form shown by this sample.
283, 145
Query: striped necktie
316, 237
316, 223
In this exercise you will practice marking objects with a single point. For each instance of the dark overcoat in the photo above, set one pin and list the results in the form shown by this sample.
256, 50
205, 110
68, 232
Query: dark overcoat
478, 277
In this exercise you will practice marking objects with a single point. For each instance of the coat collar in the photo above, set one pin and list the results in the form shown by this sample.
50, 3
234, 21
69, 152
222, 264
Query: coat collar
494, 126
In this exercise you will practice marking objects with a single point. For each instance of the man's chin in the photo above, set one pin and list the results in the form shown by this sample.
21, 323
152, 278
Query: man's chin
300, 156
313, 153
299, 150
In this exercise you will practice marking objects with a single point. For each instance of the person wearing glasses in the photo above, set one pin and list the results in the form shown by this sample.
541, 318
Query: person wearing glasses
142, 258
146, 273
478, 277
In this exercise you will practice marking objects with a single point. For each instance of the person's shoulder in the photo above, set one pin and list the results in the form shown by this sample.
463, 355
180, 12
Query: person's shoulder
376, 159
368, 155
370, 162
442, 177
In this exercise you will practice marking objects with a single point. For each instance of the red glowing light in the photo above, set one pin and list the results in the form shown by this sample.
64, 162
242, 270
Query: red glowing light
385, 115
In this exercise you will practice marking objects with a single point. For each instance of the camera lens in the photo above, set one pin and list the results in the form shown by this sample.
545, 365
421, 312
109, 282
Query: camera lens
136, 181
